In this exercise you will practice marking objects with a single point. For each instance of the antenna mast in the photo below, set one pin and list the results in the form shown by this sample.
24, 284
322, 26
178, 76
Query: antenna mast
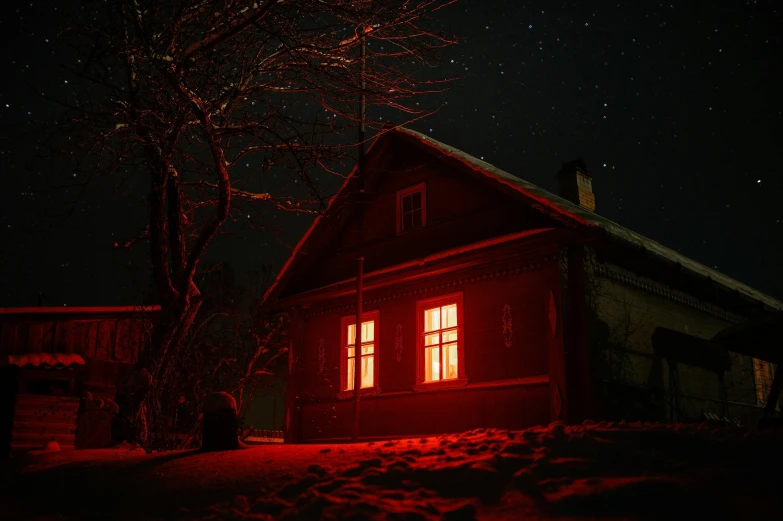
357, 348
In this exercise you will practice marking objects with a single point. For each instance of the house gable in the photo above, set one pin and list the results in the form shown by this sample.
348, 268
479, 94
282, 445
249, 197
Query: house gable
331, 235
461, 209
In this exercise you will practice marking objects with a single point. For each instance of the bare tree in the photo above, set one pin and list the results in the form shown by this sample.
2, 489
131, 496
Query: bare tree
191, 93
233, 346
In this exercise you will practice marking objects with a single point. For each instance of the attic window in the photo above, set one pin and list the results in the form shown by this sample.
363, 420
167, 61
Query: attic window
411, 208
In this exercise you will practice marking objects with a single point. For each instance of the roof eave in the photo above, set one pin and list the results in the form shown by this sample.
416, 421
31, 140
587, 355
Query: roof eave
278, 284
689, 267
378, 278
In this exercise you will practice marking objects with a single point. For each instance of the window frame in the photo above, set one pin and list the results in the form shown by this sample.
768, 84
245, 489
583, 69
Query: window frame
346, 321
763, 375
401, 194
421, 307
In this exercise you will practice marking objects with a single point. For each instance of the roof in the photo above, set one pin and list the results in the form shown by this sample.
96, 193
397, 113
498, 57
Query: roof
549, 203
610, 227
79, 310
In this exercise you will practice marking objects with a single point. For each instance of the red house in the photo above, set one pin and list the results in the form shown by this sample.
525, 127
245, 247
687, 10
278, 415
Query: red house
489, 302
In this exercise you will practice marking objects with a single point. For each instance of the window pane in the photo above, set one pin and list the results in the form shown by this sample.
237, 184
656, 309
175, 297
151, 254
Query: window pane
349, 375
450, 336
431, 364
763, 373
351, 334
368, 363
416, 218
450, 316
432, 340
368, 331
367, 351
450, 359
407, 221
416, 201
406, 204
432, 319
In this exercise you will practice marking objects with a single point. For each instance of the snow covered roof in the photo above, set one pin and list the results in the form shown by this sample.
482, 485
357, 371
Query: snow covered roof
544, 201
53, 360
583, 215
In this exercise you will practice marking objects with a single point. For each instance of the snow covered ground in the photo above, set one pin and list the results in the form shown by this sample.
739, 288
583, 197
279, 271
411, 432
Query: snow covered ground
597, 471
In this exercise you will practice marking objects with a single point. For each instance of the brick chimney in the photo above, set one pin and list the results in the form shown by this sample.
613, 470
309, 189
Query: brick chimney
576, 184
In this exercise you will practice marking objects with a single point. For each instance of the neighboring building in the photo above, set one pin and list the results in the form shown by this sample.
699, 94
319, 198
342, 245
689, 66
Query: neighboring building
51, 358
490, 302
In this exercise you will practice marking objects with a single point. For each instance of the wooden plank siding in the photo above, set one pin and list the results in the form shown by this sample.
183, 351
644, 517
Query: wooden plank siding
460, 210
111, 339
123, 349
63, 339
41, 403
34, 338
507, 369
106, 340
421, 414
39, 419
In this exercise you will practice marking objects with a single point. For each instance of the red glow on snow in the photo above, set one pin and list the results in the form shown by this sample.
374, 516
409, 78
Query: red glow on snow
596, 471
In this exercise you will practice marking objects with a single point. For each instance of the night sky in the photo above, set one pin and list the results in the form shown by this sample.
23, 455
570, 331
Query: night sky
676, 108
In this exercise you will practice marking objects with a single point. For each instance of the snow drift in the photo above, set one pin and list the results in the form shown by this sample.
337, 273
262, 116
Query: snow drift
596, 471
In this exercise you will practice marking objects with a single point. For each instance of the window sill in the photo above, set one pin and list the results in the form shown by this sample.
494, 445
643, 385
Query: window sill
366, 391
440, 384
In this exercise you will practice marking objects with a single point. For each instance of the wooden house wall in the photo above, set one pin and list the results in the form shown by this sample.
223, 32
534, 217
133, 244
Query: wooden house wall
111, 339
400, 410
459, 210
414, 414
627, 319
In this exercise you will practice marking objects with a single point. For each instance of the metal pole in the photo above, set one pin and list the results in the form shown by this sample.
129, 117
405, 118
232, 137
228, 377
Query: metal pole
357, 349
357, 365
274, 409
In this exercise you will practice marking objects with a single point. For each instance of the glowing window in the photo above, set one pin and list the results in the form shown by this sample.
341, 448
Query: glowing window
763, 373
441, 338
368, 348
411, 208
